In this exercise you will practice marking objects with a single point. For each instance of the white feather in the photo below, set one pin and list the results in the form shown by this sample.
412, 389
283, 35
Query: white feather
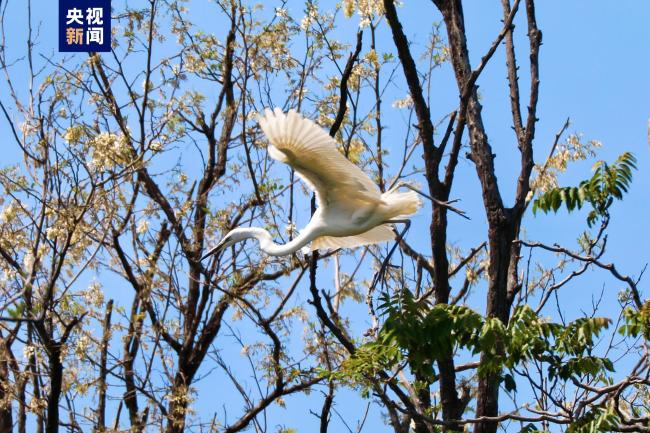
373, 236
312, 153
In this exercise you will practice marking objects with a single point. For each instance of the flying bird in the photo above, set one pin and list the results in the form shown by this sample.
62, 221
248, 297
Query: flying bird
351, 212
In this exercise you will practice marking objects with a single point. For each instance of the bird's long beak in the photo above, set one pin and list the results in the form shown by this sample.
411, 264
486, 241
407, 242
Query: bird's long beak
214, 250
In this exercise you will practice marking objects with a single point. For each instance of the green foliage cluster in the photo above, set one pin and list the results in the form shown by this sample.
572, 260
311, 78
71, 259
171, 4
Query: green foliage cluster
417, 334
609, 182
637, 322
598, 419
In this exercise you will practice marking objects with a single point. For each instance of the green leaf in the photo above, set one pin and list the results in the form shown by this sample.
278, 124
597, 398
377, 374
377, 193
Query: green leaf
597, 419
529, 428
17, 311
607, 183
509, 382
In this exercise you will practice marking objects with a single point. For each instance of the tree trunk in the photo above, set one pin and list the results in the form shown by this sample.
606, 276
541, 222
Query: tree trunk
56, 379
6, 418
503, 224
180, 399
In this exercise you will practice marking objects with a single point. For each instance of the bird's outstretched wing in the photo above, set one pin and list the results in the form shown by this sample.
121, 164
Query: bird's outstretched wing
312, 153
375, 235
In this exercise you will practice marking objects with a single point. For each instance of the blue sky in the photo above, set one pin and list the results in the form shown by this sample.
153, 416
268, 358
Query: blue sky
595, 69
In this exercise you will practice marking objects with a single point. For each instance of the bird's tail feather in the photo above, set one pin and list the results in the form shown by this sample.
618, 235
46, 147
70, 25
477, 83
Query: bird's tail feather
402, 204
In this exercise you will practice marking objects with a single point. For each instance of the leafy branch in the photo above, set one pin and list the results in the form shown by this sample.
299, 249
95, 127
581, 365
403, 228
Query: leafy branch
609, 182
418, 334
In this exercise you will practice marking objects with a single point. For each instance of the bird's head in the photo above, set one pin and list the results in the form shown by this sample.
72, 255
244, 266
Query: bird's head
232, 237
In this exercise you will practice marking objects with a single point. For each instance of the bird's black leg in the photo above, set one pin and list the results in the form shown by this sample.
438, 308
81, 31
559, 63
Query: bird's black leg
380, 274
400, 235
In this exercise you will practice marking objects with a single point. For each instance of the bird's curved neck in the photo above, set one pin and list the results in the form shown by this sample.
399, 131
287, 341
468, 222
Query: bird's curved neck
271, 248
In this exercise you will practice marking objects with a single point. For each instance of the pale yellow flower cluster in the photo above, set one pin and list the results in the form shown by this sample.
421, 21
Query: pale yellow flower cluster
359, 71
27, 128
367, 9
270, 51
545, 175
73, 134
81, 347
296, 312
142, 227
405, 102
156, 146
349, 7
308, 19
94, 294
51, 233
194, 63
108, 151
9, 212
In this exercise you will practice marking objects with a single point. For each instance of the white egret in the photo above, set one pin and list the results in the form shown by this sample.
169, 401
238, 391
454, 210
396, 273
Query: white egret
351, 212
